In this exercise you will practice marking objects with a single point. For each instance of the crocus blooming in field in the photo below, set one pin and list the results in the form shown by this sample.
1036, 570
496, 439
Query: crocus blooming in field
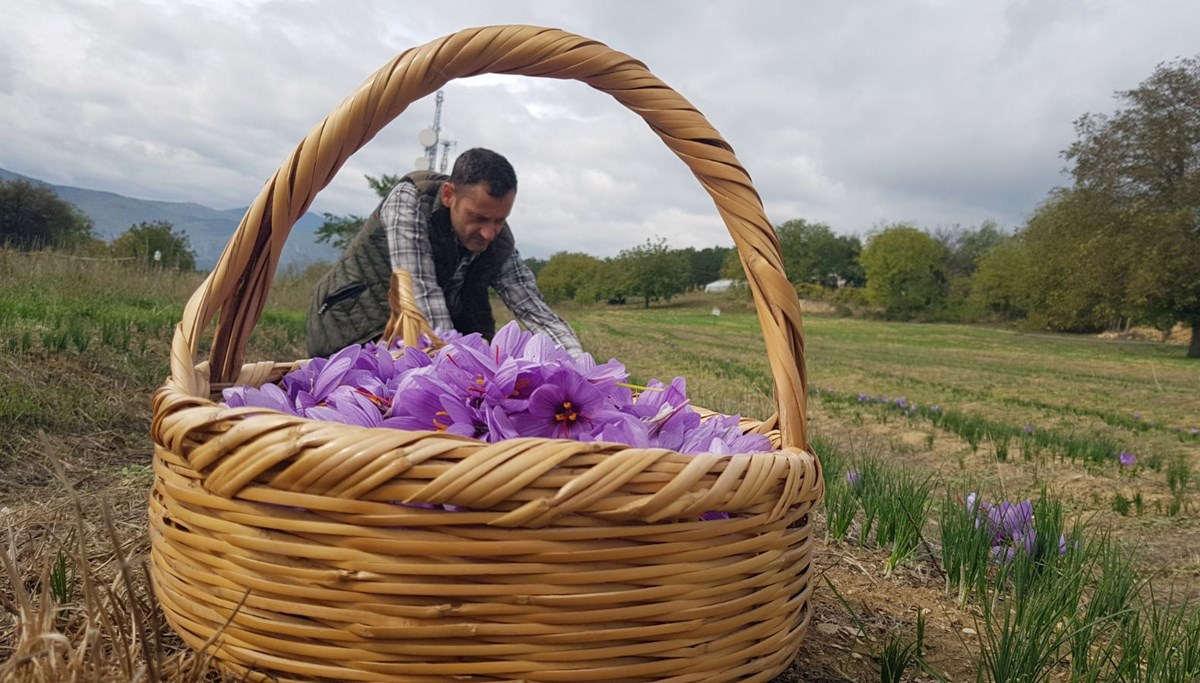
1010, 525
853, 478
1127, 459
1028, 428
519, 384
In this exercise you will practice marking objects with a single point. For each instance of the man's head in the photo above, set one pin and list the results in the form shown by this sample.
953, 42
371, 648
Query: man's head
480, 195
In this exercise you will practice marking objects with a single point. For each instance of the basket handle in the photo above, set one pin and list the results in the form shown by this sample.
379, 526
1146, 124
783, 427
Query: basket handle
237, 287
406, 321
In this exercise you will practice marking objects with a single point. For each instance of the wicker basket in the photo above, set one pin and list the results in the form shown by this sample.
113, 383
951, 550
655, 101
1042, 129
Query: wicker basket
276, 540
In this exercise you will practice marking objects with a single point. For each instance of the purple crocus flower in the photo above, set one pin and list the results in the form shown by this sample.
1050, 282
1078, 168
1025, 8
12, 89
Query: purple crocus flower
1010, 526
721, 434
853, 478
1028, 428
312, 383
566, 406
1127, 459
1194, 431
267, 396
520, 384
863, 396
348, 406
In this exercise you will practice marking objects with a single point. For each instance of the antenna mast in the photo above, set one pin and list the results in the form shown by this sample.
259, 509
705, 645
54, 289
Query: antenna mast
430, 138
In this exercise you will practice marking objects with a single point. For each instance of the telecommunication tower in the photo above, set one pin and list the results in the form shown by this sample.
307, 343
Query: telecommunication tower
430, 138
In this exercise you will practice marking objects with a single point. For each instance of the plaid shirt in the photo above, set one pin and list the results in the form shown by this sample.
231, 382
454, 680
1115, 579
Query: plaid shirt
408, 246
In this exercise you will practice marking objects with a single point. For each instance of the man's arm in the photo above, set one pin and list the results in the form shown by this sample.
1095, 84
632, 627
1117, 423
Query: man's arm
517, 286
408, 248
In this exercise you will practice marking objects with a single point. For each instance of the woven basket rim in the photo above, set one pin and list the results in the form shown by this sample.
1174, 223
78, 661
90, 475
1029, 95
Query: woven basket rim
237, 287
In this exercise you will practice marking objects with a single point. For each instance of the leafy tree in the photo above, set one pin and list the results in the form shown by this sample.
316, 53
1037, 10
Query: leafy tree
999, 283
1144, 159
535, 264
904, 269
35, 217
653, 271
143, 240
567, 275
384, 184
606, 283
339, 230
813, 254
705, 264
731, 266
1081, 262
964, 248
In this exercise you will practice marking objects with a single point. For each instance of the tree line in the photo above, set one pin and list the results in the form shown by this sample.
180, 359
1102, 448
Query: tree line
34, 217
1119, 246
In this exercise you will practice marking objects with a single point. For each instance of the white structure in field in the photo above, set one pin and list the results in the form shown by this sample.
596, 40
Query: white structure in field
719, 285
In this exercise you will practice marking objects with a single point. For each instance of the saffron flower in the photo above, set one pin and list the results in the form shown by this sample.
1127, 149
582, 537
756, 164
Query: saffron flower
853, 478
519, 384
1127, 459
566, 406
1010, 526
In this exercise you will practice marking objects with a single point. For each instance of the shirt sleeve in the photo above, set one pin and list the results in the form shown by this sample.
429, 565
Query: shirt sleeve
517, 286
409, 249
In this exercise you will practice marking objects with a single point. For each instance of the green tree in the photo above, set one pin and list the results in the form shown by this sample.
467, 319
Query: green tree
35, 217
704, 264
999, 282
339, 230
731, 266
964, 248
1139, 171
605, 283
1078, 271
904, 269
813, 254
568, 275
653, 271
142, 241
535, 264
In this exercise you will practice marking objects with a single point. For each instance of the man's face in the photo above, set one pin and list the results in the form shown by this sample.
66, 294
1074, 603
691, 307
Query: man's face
476, 216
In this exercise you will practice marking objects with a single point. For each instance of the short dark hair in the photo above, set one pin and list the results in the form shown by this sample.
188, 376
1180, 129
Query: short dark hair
479, 165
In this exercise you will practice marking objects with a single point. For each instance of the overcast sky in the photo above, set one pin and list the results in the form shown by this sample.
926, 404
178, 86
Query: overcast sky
855, 114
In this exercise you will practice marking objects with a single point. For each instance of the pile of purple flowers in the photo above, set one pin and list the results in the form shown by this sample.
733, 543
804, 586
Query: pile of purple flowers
520, 384
1010, 525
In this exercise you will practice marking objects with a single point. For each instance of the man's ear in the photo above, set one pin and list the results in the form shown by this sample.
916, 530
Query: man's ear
447, 193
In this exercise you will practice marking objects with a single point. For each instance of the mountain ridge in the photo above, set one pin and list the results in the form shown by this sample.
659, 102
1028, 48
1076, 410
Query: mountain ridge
208, 229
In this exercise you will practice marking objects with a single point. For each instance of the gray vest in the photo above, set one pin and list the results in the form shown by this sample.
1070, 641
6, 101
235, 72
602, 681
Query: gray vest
349, 304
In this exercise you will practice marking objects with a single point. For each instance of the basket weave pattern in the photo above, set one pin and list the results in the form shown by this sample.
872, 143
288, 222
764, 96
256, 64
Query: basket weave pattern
279, 544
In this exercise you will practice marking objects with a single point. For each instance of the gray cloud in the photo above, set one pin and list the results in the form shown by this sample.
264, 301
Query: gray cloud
853, 114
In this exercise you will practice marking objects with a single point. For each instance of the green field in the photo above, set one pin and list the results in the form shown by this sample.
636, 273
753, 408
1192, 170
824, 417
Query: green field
83, 344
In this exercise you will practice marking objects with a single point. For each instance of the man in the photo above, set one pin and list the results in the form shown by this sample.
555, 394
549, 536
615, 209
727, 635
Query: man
452, 235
